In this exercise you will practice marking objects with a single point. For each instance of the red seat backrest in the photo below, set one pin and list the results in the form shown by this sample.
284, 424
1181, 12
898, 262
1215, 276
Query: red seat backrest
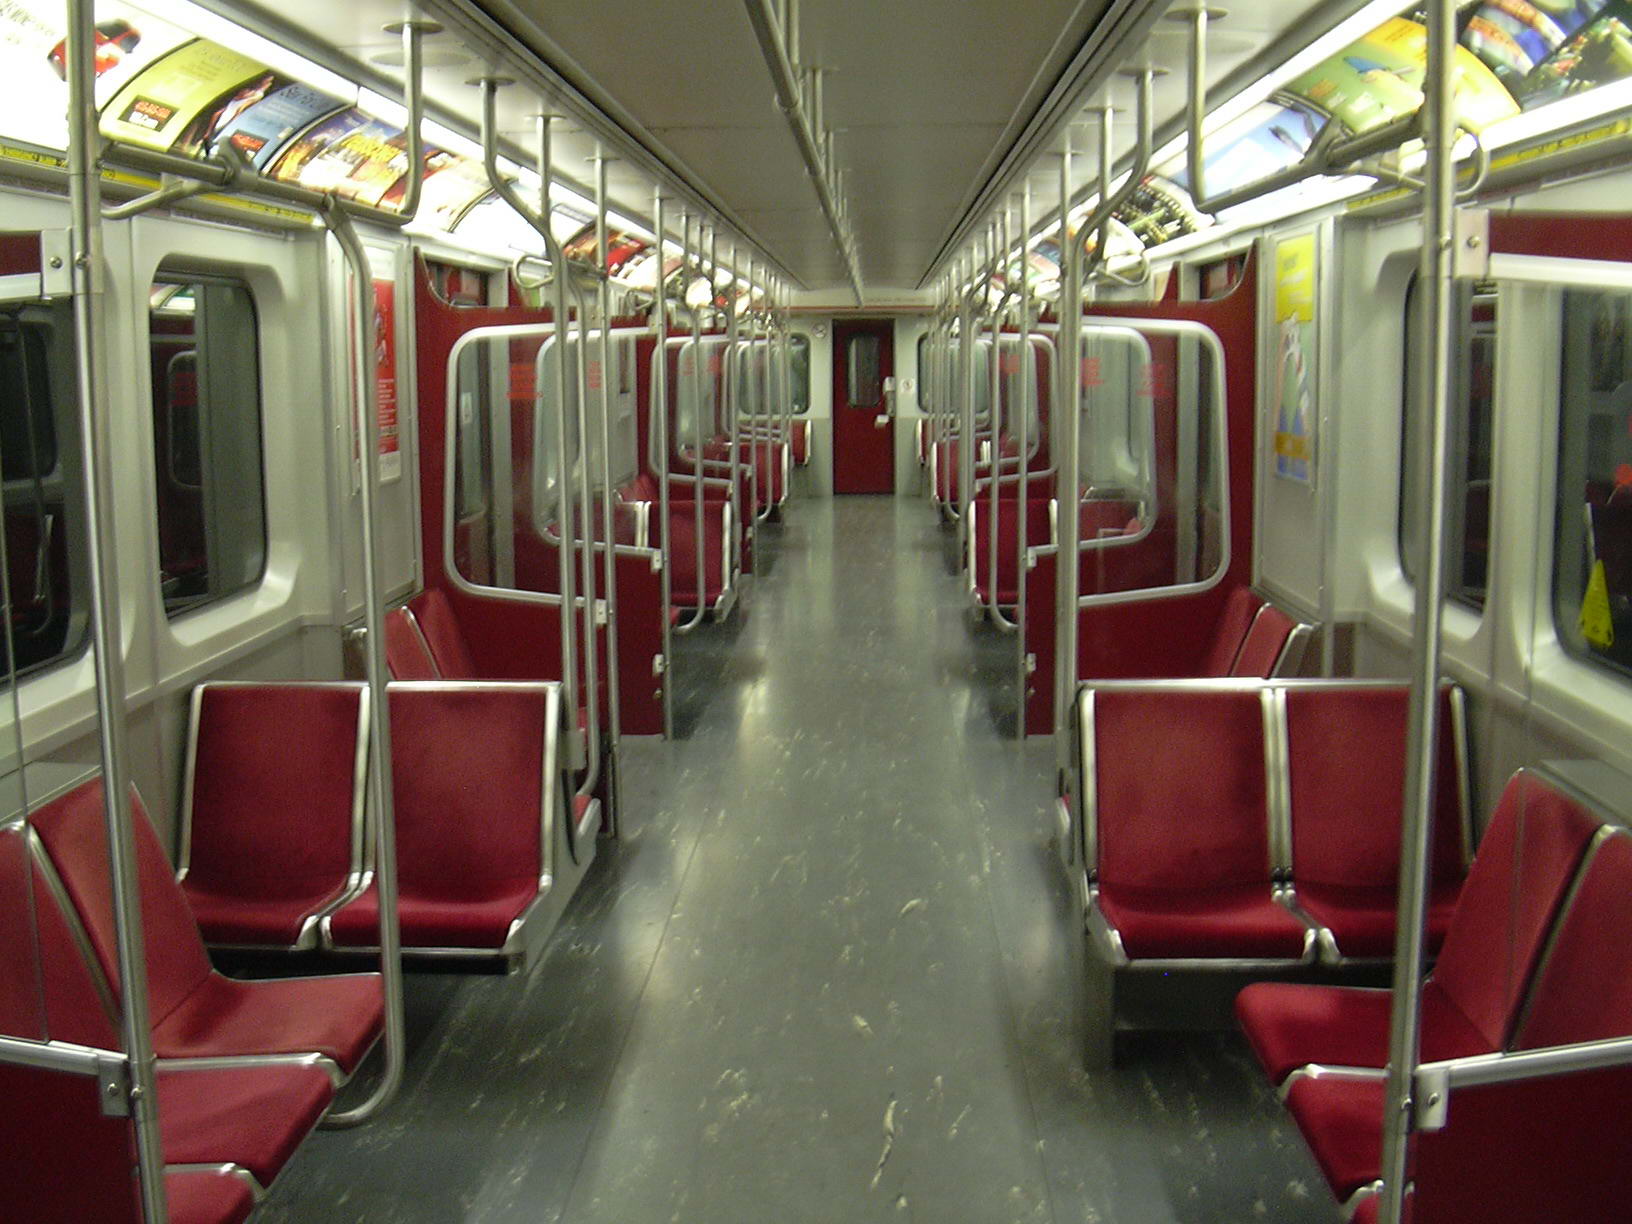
468, 770
22, 1008
1234, 619
443, 635
1262, 646
1520, 874
276, 771
1180, 791
1583, 985
75, 838
1346, 750
407, 655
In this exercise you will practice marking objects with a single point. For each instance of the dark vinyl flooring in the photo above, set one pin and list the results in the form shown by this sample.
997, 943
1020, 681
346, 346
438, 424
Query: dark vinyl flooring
828, 972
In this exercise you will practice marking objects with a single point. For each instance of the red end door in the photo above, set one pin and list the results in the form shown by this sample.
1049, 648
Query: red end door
863, 429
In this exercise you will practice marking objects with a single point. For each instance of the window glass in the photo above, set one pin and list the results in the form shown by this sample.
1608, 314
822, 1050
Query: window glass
926, 375
1592, 582
47, 582
204, 360
1473, 410
866, 383
799, 373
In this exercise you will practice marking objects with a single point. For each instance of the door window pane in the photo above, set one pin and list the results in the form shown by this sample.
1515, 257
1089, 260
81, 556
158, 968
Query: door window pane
204, 360
866, 382
1592, 586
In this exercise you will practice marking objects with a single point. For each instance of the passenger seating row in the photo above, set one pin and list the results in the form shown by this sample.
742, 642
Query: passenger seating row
246, 1069
1241, 825
274, 857
1535, 957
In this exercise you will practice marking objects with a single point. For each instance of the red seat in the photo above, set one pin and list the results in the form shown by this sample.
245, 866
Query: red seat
1582, 991
471, 784
450, 654
196, 1197
1176, 801
1346, 812
272, 813
1265, 643
196, 1012
1530, 853
1008, 544
253, 1116
1236, 617
407, 653
683, 552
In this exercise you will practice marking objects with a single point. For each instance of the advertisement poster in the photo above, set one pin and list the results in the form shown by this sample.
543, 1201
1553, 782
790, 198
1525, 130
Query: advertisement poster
1515, 36
1268, 138
33, 65
352, 154
453, 186
385, 378
1598, 53
158, 108
1379, 79
1292, 389
261, 123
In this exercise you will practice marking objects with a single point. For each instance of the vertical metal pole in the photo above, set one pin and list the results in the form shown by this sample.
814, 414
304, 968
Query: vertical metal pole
699, 539
1435, 278
1000, 273
965, 491
1197, 110
1068, 432
586, 554
85, 199
731, 557
1022, 488
659, 423
614, 721
381, 798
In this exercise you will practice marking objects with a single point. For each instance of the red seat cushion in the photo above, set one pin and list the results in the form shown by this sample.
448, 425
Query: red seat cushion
443, 635
1242, 922
1362, 919
339, 1016
1342, 1121
250, 1116
1234, 619
1293, 1024
1523, 869
271, 845
407, 655
197, 1012
468, 768
1262, 646
196, 1197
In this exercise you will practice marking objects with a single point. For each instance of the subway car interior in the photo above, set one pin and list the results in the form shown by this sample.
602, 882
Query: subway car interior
782, 611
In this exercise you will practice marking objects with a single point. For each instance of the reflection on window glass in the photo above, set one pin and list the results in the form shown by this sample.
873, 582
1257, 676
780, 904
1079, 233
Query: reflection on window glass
1592, 586
45, 575
204, 361
799, 373
866, 382
1473, 409
926, 375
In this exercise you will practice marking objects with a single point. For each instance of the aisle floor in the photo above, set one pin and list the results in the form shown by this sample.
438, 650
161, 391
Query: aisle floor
828, 972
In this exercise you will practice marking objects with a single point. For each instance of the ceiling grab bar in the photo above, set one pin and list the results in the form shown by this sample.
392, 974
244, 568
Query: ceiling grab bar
1437, 276
614, 712
1110, 202
659, 418
506, 190
85, 196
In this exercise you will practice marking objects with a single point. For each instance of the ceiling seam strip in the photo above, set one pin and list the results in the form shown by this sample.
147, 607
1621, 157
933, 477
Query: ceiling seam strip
1101, 51
771, 43
621, 127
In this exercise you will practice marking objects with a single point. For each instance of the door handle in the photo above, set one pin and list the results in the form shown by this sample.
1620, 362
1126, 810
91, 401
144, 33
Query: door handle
880, 421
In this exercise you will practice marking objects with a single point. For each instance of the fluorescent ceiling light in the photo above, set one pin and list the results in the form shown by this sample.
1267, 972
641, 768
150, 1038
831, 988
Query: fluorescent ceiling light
275, 56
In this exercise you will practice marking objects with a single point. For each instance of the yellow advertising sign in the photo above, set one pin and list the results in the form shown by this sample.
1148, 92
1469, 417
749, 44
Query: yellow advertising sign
1597, 623
158, 107
1296, 283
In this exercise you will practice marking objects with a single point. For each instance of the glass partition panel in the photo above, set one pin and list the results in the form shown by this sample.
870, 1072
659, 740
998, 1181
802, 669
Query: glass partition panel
1153, 499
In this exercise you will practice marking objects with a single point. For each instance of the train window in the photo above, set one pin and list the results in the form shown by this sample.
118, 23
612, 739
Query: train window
926, 365
1592, 558
866, 382
44, 526
1220, 277
204, 358
1473, 405
799, 373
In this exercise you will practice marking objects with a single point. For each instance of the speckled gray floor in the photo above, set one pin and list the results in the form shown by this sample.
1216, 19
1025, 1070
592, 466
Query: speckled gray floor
827, 974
